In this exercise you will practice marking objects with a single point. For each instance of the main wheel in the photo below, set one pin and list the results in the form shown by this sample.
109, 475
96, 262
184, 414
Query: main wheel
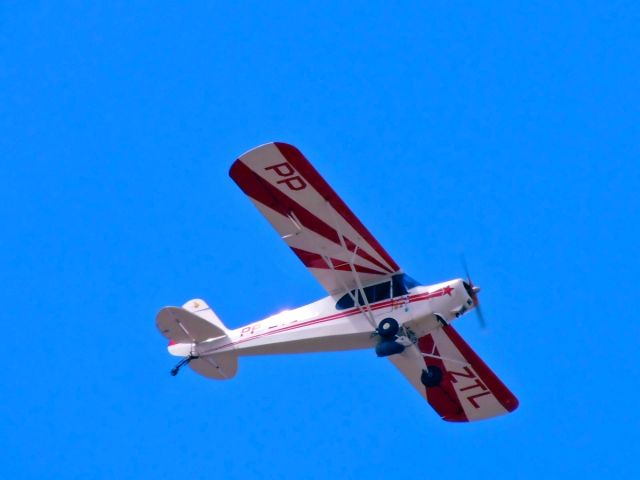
388, 328
388, 347
432, 376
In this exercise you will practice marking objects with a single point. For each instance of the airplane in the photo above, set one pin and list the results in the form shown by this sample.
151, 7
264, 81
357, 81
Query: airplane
371, 304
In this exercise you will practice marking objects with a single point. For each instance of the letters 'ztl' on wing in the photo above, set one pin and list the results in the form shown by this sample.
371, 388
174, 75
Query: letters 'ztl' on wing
468, 390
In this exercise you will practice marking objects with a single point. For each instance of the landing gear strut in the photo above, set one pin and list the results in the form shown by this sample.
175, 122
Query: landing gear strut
183, 362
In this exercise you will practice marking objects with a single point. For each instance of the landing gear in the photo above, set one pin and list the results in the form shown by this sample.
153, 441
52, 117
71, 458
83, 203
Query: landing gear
432, 376
388, 347
388, 328
183, 362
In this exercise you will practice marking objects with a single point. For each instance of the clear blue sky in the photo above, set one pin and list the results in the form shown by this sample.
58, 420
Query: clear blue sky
507, 131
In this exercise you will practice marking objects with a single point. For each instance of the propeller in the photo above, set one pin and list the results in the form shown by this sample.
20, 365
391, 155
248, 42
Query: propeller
473, 293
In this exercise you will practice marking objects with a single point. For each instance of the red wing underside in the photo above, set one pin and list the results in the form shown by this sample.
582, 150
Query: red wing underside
310, 217
469, 390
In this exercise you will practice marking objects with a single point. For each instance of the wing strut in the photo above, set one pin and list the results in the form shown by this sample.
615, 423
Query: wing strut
366, 308
365, 311
440, 357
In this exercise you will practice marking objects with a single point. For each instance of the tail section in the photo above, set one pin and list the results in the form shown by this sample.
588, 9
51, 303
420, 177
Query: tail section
200, 308
191, 326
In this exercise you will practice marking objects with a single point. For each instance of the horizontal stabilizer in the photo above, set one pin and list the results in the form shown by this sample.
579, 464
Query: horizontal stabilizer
221, 366
181, 326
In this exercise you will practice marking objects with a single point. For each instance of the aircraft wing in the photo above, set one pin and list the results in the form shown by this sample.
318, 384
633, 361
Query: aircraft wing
310, 217
469, 390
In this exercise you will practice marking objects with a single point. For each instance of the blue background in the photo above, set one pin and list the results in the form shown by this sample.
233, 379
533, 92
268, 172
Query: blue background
508, 131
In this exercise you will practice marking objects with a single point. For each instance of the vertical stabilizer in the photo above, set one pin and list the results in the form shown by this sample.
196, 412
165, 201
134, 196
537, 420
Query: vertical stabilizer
200, 308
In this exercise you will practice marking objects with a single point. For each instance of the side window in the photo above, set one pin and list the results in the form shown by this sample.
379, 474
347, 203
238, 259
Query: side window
398, 286
401, 285
375, 293
346, 301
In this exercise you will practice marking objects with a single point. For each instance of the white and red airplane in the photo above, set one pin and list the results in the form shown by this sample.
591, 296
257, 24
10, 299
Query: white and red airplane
372, 303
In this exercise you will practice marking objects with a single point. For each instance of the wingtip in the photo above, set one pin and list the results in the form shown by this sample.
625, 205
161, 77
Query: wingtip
511, 404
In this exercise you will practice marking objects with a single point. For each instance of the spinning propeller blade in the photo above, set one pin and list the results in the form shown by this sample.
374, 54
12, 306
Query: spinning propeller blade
473, 292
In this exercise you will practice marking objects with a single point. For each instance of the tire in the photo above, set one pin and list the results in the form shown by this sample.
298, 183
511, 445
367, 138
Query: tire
387, 348
432, 376
388, 328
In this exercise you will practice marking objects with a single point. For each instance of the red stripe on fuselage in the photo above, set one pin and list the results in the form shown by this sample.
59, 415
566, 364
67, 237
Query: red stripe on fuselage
354, 311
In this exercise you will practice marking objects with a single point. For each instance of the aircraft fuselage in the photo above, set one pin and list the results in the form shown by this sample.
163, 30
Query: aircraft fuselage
320, 326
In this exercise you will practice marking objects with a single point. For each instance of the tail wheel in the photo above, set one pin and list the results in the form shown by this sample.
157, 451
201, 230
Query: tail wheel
432, 376
388, 328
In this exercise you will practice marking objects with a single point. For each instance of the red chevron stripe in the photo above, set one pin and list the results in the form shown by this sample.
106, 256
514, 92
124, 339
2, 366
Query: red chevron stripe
507, 399
442, 398
313, 260
262, 191
304, 167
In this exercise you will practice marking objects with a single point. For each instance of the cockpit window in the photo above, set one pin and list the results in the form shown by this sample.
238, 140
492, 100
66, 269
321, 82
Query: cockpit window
401, 284
374, 293
409, 282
